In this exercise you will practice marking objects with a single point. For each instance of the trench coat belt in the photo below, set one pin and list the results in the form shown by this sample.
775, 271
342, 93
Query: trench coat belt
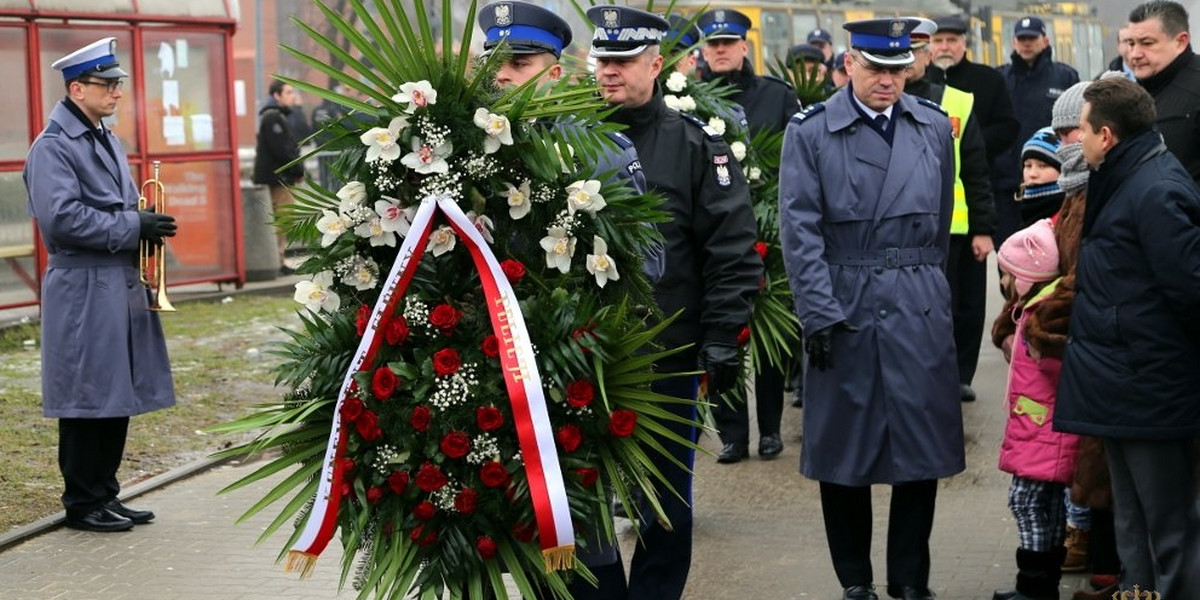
87, 261
888, 258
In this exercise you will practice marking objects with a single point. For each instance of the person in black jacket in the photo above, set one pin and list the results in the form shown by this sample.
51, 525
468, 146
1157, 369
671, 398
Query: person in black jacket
277, 147
1034, 81
769, 102
1160, 54
712, 269
1129, 371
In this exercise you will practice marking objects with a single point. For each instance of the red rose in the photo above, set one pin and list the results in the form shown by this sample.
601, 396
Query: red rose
587, 476
422, 537
568, 437
352, 408
445, 317
524, 532
384, 382
446, 362
424, 511
346, 488
584, 338
489, 418
398, 482
430, 478
420, 418
374, 494
493, 474
622, 422
490, 346
466, 500
362, 319
347, 464
513, 270
744, 336
486, 547
397, 331
761, 249
579, 393
455, 444
367, 425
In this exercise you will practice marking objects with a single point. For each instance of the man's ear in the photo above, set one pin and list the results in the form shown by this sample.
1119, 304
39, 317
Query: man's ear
555, 72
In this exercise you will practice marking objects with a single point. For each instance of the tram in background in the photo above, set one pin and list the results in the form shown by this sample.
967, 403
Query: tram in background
1074, 29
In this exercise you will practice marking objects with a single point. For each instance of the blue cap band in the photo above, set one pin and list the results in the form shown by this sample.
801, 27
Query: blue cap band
711, 28
867, 41
525, 33
684, 39
74, 71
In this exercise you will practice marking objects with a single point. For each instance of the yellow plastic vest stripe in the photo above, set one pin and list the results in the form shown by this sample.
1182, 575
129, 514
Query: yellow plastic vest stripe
958, 103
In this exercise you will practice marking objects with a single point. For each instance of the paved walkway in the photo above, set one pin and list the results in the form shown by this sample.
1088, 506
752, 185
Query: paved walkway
759, 534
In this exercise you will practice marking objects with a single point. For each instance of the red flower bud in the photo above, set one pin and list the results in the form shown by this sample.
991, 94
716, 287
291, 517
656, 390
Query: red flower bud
422, 536
493, 474
445, 318
446, 362
374, 494
744, 336
367, 426
490, 346
513, 270
362, 318
489, 418
384, 382
455, 444
524, 532
398, 482
424, 511
486, 547
568, 437
397, 331
420, 418
466, 501
352, 408
761, 248
580, 393
430, 478
587, 476
622, 422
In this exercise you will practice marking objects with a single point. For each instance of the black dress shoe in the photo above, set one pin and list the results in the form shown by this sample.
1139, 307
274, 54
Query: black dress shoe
965, 393
859, 592
139, 517
734, 452
769, 446
908, 592
102, 520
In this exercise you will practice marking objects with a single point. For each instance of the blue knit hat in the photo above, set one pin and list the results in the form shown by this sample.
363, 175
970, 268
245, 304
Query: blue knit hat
1044, 147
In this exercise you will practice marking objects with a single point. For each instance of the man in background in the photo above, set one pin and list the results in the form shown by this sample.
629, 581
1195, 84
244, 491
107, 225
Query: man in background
278, 147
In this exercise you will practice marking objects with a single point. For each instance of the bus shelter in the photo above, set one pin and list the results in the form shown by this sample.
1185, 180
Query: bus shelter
177, 108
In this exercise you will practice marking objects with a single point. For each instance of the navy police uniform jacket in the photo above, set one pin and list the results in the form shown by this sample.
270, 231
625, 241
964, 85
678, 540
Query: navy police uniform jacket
767, 101
1033, 90
103, 352
865, 228
712, 271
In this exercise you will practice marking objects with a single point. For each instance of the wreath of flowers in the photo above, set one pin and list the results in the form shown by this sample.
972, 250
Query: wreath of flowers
431, 486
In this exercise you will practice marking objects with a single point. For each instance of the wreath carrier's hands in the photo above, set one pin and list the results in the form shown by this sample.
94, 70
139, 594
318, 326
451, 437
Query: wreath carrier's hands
819, 345
720, 363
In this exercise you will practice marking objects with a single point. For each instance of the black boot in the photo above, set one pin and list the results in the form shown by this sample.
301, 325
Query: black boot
1038, 574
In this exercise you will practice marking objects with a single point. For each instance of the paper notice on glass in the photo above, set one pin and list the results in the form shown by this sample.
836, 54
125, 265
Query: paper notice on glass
239, 97
166, 60
173, 131
181, 53
202, 130
170, 95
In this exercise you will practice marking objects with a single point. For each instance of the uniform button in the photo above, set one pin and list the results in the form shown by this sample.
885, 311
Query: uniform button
883, 313
879, 270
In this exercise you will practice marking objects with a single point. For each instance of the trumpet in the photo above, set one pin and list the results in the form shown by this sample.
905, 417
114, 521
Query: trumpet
152, 258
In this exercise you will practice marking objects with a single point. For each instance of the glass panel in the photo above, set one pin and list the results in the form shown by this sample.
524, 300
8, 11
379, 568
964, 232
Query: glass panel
57, 43
198, 195
187, 107
19, 278
14, 131
776, 36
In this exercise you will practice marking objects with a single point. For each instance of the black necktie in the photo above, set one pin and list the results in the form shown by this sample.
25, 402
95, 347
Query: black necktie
881, 122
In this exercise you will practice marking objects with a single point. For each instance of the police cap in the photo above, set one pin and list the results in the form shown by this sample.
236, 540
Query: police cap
952, 24
819, 35
724, 24
623, 31
805, 52
1029, 27
527, 28
839, 62
883, 41
685, 32
923, 33
97, 59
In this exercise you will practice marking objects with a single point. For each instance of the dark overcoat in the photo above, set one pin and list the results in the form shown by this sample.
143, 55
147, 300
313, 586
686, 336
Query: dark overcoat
888, 410
103, 351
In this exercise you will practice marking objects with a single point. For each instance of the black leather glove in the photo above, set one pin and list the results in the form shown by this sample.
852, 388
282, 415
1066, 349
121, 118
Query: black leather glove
722, 365
819, 345
156, 226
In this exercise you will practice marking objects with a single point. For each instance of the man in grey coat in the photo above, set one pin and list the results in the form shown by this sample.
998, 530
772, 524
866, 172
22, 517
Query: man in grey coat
866, 190
104, 357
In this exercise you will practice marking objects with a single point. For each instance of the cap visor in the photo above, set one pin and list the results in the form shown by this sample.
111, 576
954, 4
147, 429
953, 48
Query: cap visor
109, 73
724, 35
610, 53
902, 59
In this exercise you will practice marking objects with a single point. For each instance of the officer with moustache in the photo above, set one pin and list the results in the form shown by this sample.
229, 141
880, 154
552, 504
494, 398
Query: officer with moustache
866, 190
769, 102
712, 270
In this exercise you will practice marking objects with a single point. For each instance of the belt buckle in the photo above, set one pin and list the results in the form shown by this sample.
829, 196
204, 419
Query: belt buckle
891, 258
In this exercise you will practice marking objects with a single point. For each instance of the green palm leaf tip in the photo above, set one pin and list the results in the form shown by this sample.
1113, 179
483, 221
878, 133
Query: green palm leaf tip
809, 88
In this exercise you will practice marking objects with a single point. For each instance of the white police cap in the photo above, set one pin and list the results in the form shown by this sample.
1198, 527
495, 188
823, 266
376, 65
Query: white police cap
97, 59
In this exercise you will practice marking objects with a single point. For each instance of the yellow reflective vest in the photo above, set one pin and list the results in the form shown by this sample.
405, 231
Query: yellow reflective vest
958, 105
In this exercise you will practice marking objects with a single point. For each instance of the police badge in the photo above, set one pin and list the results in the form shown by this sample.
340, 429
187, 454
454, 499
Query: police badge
719, 16
612, 18
897, 29
723, 176
503, 15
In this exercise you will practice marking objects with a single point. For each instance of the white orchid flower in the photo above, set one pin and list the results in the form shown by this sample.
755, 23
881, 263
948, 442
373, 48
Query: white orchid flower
677, 82
601, 264
497, 128
559, 249
427, 159
754, 173
354, 192
718, 125
331, 225
672, 101
738, 149
687, 104
316, 294
519, 201
585, 196
392, 217
383, 143
483, 224
364, 276
373, 230
416, 95
442, 240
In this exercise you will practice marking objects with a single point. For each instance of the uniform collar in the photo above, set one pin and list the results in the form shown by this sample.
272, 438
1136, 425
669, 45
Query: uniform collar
640, 116
741, 78
841, 112
72, 120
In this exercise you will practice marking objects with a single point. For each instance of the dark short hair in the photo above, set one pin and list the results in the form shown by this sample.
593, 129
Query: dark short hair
276, 87
1121, 105
1173, 15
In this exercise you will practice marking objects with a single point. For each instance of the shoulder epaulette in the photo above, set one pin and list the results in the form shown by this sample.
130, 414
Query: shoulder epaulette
785, 82
53, 128
807, 112
931, 104
708, 130
621, 139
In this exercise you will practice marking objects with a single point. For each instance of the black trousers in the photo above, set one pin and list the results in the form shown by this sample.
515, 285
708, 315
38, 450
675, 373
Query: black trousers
733, 422
847, 512
968, 303
89, 454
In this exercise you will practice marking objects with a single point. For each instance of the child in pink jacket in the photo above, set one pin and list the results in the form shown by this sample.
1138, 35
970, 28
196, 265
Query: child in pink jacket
1041, 460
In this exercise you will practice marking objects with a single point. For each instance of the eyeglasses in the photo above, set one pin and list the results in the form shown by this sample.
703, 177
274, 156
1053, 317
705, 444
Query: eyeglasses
112, 84
877, 70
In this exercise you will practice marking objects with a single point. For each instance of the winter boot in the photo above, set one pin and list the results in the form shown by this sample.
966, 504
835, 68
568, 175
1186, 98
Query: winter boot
1077, 550
1037, 576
